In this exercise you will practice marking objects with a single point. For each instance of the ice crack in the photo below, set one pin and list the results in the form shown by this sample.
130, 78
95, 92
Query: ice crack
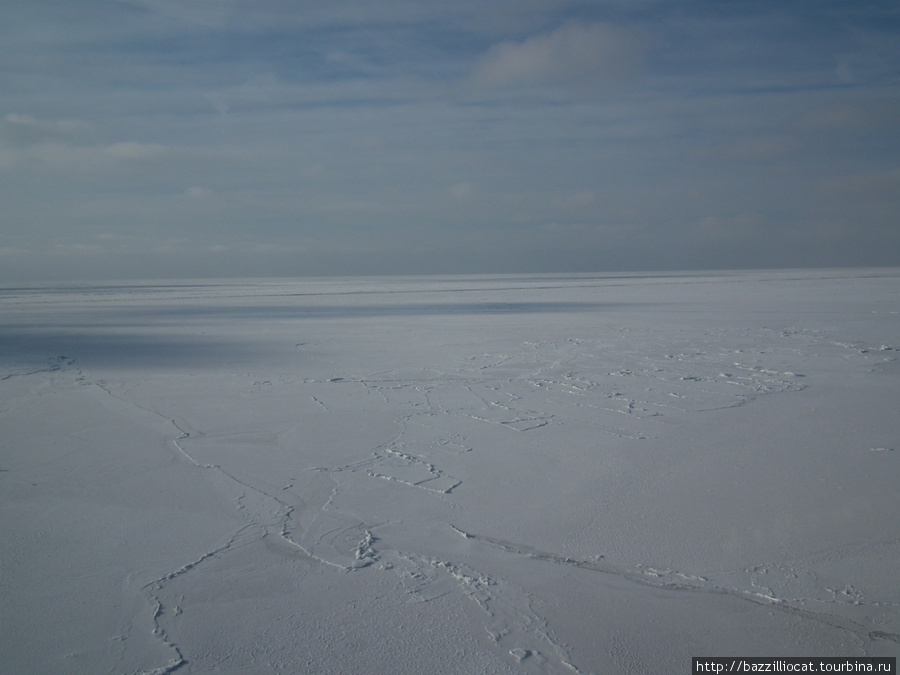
677, 581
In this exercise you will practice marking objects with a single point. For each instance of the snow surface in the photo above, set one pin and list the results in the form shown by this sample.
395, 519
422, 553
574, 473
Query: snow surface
604, 474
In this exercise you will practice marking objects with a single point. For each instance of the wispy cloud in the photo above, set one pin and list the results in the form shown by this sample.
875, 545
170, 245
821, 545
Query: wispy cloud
574, 55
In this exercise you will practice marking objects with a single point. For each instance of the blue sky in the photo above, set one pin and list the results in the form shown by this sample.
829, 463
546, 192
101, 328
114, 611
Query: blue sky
185, 138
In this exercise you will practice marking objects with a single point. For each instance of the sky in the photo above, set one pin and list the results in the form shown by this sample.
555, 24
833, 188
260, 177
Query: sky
237, 138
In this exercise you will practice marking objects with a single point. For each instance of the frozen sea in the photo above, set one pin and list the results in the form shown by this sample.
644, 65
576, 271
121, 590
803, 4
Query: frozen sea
473, 474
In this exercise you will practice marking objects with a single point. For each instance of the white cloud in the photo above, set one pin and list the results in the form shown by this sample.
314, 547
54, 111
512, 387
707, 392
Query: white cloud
462, 190
749, 149
68, 156
11, 251
7, 159
865, 200
580, 55
77, 248
66, 126
863, 114
22, 131
209, 13
131, 150
197, 192
865, 186
277, 249
740, 225
584, 198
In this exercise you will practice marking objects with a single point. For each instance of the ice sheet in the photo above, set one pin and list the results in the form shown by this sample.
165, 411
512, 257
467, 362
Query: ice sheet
449, 474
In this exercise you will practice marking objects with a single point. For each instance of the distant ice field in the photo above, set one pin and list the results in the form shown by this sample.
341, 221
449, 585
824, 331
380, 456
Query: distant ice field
474, 474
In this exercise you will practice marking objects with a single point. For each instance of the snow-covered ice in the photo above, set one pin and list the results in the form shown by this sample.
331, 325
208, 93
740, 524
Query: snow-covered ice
501, 474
